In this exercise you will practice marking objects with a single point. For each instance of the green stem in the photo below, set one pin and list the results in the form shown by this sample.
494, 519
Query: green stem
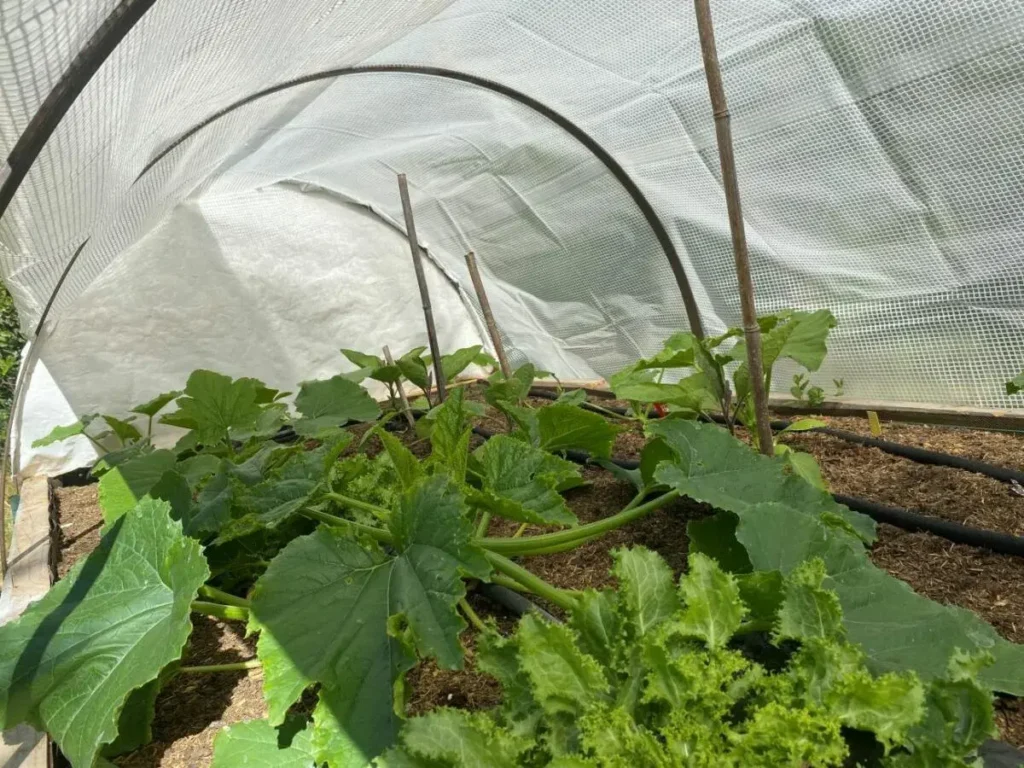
474, 619
554, 549
377, 534
530, 544
220, 611
379, 512
220, 596
609, 414
485, 523
520, 530
237, 666
505, 581
531, 581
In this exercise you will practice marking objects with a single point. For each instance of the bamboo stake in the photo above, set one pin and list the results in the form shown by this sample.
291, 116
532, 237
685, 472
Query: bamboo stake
401, 392
421, 280
723, 132
485, 307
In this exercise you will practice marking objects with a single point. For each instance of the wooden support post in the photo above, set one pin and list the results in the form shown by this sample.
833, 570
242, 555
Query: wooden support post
485, 307
421, 280
401, 392
723, 132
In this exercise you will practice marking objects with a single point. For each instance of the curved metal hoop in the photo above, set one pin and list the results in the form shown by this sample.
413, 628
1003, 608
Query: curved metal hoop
609, 162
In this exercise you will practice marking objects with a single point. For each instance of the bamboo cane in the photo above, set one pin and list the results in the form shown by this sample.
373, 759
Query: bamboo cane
723, 133
485, 307
421, 280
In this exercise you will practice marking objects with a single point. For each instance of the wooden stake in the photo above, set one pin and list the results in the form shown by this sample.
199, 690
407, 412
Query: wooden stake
421, 280
723, 132
401, 392
485, 307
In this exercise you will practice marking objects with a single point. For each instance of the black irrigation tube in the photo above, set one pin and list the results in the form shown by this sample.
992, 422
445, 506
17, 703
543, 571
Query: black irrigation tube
918, 455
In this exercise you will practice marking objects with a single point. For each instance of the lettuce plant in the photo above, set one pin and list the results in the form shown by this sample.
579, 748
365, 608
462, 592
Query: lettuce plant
655, 674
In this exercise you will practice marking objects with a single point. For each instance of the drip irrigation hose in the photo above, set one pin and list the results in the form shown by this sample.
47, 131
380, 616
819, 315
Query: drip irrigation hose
511, 600
918, 455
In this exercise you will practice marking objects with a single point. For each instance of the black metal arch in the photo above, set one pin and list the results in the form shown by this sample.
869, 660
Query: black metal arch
613, 166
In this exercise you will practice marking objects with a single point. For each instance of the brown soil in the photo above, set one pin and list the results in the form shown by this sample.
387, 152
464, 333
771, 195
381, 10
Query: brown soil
80, 521
191, 711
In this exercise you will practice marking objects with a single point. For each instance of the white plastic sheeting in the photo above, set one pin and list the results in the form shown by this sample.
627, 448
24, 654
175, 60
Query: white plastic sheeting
878, 145
252, 293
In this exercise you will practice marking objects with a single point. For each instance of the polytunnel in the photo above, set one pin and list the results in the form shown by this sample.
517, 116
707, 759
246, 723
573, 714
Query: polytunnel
218, 189
233, 228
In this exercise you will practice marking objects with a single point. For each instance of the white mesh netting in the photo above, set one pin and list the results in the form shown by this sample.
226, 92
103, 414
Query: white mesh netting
877, 141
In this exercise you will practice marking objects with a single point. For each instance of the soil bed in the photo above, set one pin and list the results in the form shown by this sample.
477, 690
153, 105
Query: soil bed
191, 710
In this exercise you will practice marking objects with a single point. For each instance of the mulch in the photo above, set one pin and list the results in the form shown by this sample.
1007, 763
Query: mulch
190, 711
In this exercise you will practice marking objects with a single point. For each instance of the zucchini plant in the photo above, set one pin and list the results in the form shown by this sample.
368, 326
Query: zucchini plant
352, 569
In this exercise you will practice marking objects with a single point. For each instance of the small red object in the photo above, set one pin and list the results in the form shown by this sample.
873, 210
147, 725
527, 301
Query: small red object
659, 408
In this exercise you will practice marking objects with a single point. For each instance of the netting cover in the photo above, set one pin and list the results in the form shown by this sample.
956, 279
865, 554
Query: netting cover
878, 144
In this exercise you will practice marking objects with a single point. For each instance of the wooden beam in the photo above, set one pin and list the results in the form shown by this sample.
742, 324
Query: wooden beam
912, 413
27, 579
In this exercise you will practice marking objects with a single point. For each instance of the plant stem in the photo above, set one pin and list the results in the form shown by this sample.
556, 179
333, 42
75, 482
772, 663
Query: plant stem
377, 534
505, 581
220, 596
379, 512
220, 611
237, 666
474, 619
554, 549
531, 581
520, 530
530, 544
485, 523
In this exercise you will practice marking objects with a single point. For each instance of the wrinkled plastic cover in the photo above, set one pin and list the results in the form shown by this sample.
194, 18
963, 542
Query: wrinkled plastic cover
877, 141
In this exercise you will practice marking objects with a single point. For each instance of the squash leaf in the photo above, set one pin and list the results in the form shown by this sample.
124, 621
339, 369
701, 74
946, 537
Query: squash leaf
349, 617
327, 405
108, 628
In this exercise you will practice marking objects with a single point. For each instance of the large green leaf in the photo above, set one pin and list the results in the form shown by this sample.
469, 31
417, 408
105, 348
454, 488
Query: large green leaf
799, 336
333, 612
361, 359
328, 404
152, 407
258, 744
414, 367
121, 488
897, 628
455, 363
215, 406
519, 482
125, 431
109, 627
565, 427
449, 437
212, 508
714, 467
691, 393
65, 431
